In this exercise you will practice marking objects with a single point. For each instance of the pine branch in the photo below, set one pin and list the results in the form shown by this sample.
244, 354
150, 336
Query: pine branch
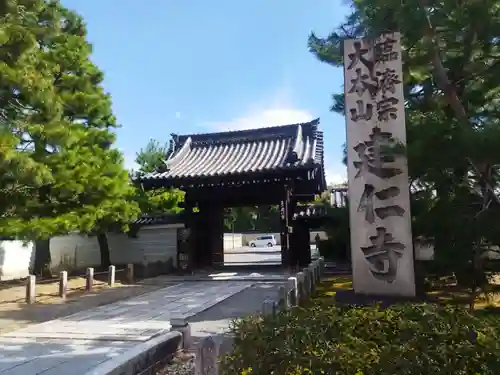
450, 92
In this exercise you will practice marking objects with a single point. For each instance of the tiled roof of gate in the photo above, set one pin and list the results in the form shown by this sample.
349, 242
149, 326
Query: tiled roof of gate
239, 152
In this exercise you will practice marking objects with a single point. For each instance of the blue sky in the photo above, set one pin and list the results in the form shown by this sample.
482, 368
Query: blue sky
202, 66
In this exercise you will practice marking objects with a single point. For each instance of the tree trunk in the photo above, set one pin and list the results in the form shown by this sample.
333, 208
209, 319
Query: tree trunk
104, 250
42, 258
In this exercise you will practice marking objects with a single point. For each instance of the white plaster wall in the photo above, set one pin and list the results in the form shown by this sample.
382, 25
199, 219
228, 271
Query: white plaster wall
152, 244
15, 257
424, 251
493, 255
155, 243
247, 237
74, 251
77, 251
233, 240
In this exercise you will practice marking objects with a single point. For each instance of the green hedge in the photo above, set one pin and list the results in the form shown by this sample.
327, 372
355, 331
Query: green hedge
402, 340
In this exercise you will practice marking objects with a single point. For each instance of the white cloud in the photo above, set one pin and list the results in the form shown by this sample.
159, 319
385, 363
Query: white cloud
129, 161
336, 173
278, 110
264, 118
335, 178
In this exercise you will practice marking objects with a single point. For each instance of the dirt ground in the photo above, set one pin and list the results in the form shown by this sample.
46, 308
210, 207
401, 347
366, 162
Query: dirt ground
15, 313
47, 292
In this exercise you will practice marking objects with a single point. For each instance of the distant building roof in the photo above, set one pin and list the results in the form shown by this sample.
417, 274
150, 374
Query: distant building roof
341, 186
159, 219
310, 211
246, 152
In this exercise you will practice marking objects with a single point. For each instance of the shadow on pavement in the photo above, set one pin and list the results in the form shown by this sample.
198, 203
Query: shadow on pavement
216, 320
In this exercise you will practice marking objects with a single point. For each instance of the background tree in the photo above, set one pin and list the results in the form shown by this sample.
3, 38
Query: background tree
451, 84
152, 157
156, 201
57, 129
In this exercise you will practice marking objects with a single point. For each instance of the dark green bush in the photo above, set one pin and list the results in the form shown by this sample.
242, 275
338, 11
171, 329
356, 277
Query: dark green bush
337, 246
401, 340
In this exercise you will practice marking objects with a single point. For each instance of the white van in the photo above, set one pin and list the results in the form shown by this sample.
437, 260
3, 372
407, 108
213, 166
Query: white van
264, 241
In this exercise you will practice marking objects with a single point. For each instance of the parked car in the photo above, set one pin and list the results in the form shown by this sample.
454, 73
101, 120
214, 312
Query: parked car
264, 241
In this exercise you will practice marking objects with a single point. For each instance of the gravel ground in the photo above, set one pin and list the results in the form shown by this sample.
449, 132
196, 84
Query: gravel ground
215, 322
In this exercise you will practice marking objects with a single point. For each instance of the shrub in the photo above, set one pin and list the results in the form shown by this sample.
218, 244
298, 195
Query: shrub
405, 340
332, 250
337, 247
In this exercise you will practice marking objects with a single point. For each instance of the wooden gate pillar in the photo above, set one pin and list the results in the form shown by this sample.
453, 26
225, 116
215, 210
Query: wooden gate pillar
301, 246
295, 245
211, 227
189, 243
287, 209
304, 245
217, 235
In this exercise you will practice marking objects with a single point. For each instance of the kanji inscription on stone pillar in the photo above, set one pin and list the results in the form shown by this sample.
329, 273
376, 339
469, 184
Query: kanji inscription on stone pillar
379, 199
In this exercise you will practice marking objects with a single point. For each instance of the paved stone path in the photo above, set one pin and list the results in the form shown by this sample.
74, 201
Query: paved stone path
215, 320
79, 342
229, 275
257, 255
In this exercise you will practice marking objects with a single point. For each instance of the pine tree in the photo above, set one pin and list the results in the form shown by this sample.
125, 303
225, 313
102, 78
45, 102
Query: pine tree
452, 88
157, 201
57, 129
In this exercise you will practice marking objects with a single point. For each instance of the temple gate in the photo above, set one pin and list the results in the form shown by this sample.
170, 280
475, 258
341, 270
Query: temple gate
268, 166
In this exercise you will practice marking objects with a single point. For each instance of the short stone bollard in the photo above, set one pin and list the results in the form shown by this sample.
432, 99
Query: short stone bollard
181, 325
207, 353
89, 279
312, 270
316, 268
284, 299
311, 280
307, 283
145, 269
293, 291
63, 284
300, 288
312, 283
31, 289
130, 273
111, 275
268, 307
321, 261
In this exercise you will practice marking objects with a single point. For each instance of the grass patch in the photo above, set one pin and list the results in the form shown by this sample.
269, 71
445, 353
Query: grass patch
442, 291
329, 286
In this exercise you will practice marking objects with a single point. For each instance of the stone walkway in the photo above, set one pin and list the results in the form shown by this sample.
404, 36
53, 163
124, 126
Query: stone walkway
77, 343
14, 316
215, 321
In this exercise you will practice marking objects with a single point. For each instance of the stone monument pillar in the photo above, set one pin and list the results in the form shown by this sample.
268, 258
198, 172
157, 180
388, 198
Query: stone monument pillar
379, 201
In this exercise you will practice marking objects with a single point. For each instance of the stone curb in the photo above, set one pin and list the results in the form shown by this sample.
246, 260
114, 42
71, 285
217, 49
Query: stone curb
141, 356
